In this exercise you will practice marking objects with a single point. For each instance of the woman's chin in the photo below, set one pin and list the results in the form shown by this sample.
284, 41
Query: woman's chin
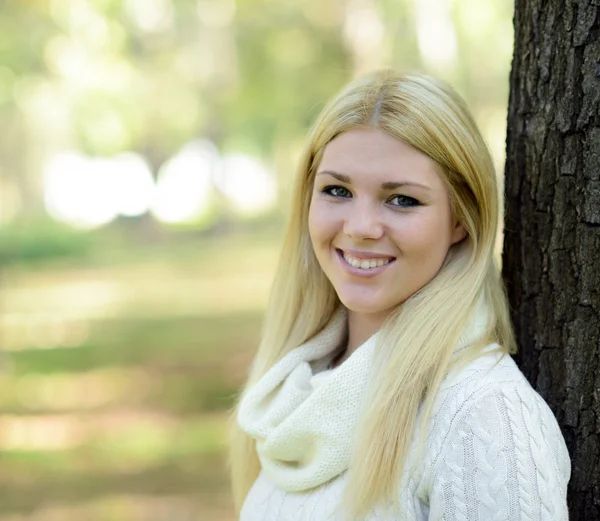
363, 306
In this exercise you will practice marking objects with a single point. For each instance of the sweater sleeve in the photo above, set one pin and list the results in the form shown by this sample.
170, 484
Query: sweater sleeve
504, 459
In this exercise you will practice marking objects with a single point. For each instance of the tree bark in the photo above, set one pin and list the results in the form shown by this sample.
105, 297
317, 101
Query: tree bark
551, 259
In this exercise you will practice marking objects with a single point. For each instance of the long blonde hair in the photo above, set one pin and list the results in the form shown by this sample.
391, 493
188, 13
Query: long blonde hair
416, 342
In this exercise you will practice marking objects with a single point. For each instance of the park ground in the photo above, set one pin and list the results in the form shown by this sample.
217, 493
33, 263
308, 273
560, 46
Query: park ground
117, 378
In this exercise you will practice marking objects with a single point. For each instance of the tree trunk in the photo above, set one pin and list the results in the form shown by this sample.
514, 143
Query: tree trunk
552, 233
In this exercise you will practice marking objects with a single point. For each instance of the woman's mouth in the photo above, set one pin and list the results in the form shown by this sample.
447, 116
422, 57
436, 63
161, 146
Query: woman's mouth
364, 262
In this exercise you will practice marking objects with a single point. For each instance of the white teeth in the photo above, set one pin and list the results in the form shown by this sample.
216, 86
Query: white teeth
365, 264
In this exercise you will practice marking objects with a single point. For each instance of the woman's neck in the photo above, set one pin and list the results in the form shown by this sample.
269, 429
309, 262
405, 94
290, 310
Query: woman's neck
361, 327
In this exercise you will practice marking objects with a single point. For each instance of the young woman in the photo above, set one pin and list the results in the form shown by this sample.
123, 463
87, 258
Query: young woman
383, 386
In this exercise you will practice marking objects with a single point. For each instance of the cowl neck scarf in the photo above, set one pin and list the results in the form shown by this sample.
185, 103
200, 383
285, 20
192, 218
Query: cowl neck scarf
304, 416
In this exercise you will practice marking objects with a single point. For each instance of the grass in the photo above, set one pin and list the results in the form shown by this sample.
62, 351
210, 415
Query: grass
185, 342
118, 378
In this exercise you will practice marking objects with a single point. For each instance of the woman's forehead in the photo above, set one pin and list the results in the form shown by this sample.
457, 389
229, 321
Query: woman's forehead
370, 154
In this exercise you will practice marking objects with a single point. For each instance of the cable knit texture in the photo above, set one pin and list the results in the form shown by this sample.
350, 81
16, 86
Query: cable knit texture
493, 450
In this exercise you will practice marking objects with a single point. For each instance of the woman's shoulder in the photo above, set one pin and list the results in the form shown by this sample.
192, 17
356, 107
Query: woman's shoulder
492, 377
488, 420
491, 394
469, 382
488, 385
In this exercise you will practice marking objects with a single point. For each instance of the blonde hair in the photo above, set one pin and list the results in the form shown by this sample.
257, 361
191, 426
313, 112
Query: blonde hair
417, 341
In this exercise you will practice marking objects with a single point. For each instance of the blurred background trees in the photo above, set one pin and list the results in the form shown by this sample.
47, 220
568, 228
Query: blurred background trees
145, 155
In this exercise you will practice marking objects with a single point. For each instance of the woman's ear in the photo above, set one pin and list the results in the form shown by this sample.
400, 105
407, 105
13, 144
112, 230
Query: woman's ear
458, 232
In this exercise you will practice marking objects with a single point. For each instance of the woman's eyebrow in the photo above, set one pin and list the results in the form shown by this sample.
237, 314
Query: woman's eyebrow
389, 185
392, 185
340, 177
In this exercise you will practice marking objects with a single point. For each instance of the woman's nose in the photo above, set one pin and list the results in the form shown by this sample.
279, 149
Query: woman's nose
363, 221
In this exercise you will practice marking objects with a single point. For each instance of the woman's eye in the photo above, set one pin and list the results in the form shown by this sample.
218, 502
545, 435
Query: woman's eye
336, 191
403, 200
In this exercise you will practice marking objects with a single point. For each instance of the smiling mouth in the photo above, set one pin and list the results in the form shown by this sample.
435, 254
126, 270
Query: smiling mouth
365, 264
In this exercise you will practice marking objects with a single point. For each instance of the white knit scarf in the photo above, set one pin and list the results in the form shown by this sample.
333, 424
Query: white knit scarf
304, 420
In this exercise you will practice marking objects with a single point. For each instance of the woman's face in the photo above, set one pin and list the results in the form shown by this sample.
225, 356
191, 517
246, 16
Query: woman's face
380, 220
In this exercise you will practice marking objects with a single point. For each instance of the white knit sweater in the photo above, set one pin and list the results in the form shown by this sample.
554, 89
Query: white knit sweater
494, 450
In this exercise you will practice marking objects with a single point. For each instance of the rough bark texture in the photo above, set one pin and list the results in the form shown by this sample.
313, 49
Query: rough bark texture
552, 234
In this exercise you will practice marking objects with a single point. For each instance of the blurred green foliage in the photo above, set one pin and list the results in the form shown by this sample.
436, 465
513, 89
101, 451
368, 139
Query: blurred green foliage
123, 347
42, 240
149, 76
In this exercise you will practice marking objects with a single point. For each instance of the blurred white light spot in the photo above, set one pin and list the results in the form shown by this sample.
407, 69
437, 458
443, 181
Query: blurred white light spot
90, 192
364, 30
68, 57
364, 35
247, 184
151, 15
49, 432
76, 192
134, 186
184, 186
436, 35
216, 14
